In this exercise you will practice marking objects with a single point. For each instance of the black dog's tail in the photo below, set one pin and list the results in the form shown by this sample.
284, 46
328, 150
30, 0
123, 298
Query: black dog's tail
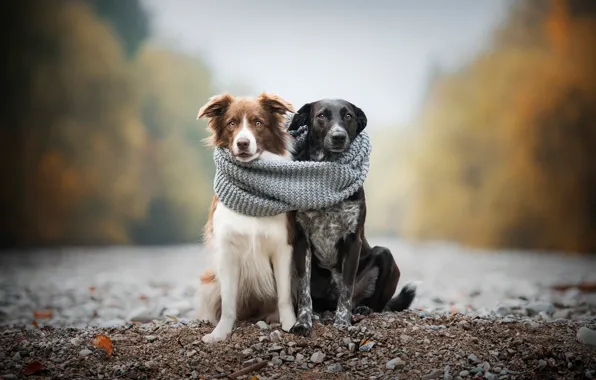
403, 300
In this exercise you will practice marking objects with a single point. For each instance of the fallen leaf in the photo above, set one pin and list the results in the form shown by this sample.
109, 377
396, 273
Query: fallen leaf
91, 289
35, 324
43, 314
254, 378
33, 368
104, 342
172, 318
143, 297
453, 310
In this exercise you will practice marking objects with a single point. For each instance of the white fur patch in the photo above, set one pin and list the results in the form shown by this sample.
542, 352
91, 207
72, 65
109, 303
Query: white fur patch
252, 259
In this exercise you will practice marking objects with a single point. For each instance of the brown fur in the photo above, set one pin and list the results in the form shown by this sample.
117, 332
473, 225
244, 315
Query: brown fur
225, 115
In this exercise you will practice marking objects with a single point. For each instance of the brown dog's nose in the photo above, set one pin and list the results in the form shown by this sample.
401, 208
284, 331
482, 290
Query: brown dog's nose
243, 143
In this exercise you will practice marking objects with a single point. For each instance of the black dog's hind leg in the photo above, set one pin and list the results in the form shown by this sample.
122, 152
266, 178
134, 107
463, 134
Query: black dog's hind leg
303, 324
345, 281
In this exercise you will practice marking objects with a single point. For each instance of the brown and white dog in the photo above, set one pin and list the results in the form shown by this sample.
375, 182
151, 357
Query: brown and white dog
252, 255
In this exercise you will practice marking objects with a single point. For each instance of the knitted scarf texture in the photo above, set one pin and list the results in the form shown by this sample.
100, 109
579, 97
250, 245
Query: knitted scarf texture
268, 188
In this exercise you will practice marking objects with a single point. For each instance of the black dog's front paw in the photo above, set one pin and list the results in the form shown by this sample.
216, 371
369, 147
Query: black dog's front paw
302, 328
363, 310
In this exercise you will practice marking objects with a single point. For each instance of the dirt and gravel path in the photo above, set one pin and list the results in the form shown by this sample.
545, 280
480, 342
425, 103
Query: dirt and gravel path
478, 314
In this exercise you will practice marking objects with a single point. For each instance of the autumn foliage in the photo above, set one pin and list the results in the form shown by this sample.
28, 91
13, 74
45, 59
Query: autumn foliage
100, 144
505, 149
99, 138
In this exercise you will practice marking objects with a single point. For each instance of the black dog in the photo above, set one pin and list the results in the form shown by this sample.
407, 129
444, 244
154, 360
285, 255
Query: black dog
338, 269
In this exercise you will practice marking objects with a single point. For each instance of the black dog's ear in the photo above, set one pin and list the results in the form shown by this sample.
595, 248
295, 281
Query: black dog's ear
361, 120
302, 117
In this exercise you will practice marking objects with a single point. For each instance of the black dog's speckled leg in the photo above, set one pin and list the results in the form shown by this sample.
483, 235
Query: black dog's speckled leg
303, 324
345, 283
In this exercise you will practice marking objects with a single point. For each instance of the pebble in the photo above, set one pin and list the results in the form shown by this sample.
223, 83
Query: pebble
262, 325
84, 353
16, 357
542, 363
395, 363
150, 338
299, 357
433, 375
317, 357
351, 347
590, 374
334, 368
535, 308
464, 373
275, 348
405, 338
473, 358
275, 336
9, 376
464, 325
367, 347
503, 311
491, 376
276, 361
586, 336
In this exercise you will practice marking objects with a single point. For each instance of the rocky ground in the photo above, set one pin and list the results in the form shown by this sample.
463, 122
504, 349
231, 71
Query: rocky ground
479, 314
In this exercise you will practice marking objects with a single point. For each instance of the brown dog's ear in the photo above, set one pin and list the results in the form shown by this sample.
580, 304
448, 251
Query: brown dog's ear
275, 103
361, 120
302, 117
216, 106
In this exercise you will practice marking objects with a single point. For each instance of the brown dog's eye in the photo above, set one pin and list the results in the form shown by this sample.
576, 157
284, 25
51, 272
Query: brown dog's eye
321, 116
231, 124
258, 123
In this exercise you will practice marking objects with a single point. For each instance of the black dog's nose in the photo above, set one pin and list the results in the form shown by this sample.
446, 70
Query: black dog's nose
338, 138
243, 143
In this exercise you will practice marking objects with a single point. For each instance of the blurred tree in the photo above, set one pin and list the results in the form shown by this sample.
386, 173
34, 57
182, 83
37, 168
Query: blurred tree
178, 167
97, 148
128, 18
508, 143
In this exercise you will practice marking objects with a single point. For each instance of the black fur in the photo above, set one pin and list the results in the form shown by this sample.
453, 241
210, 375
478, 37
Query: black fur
339, 271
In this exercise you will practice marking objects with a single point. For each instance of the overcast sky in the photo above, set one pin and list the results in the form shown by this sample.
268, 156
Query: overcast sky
375, 54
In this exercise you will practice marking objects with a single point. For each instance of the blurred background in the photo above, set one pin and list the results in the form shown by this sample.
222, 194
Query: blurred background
482, 113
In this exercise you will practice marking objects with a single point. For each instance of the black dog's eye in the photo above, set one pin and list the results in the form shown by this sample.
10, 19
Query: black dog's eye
321, 115
348, 116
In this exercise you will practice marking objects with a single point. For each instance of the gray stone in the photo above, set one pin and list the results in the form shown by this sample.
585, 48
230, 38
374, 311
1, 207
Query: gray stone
275, 336
464, 373
276, 361
536, 307
395, 363
367, 347
84, 353
491, 376
288, 358
299, 357
473, 358
275, 348
150, 338
586, 336
590, 374
262, 325
317, 357
503, 310
16, 357
247, 352
542, 363
562, 314
334, 368
351, 347
405, 338
9, 376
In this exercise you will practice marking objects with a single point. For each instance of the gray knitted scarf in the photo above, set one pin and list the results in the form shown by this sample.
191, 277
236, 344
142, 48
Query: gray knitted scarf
267, 188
